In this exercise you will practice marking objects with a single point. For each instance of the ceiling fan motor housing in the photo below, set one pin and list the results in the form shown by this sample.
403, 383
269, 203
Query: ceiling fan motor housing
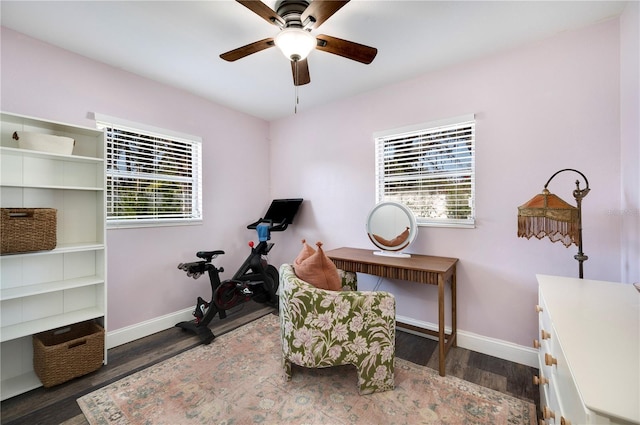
290, 11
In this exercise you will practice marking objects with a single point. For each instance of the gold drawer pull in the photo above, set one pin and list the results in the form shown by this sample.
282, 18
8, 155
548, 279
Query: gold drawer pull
549, 360
548, 413
544, 334
564, 421
540, 380
536, 343
539, 309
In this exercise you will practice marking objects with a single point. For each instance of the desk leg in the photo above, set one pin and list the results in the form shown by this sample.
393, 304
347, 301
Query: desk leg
454, 326
441, 334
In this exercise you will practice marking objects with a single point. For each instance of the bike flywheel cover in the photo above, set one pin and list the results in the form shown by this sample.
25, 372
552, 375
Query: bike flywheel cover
227, 295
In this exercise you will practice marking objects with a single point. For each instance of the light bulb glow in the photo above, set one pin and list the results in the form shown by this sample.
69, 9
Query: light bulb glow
295, 43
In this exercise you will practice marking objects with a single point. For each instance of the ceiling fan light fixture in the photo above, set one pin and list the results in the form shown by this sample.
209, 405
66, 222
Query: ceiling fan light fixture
295, 43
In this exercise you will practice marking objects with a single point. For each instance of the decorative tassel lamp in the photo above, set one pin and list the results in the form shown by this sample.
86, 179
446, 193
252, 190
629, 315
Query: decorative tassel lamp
546, 215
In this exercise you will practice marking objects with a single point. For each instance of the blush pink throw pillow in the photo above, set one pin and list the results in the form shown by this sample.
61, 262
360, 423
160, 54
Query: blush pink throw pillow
319, 270
305, 253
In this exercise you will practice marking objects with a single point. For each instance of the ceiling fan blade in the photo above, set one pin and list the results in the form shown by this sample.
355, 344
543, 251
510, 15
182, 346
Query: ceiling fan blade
320, 11
300, 71
263, 11
346, 49
247, 50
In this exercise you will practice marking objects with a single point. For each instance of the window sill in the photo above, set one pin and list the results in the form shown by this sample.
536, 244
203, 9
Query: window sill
157, 223
448, 225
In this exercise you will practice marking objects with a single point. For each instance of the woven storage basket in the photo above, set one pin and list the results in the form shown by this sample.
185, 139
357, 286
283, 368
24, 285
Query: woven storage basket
27, 229
66, 353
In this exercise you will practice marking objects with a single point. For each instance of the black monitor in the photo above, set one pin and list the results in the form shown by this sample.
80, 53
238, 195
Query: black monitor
280, 214
283, 209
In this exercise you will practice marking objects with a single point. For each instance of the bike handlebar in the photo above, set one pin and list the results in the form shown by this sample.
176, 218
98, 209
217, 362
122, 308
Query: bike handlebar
278, 227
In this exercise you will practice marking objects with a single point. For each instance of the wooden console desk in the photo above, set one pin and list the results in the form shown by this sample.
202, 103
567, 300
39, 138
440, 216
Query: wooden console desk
420, 269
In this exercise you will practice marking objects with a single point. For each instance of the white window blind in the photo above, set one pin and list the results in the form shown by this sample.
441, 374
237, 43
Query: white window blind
430, 168
153, 176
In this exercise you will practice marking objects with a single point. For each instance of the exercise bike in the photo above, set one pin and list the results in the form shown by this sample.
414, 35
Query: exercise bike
255, 280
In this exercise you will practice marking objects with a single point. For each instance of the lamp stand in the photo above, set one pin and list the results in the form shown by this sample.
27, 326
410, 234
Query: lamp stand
578, 194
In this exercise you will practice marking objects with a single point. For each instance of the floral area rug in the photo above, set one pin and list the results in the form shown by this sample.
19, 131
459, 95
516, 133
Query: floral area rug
238, 379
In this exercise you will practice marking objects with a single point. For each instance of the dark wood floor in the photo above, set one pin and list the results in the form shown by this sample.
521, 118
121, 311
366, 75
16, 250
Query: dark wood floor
57, 405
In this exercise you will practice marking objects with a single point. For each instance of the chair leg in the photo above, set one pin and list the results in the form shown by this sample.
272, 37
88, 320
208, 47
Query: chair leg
286, 366
374, 386
364, 386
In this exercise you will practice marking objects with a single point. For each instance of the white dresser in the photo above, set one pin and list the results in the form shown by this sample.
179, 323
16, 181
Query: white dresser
589, 344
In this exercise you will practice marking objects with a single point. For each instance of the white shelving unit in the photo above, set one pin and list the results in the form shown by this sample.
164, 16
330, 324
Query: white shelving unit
45, 290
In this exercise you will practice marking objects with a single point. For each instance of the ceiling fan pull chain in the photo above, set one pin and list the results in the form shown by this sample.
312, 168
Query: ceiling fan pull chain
296, 100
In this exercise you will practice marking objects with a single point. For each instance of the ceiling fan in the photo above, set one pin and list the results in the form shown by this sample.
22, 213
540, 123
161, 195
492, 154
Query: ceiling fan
296, 18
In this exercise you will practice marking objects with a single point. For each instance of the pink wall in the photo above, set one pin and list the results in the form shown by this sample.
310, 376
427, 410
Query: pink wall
44, 81
629, 214
541, 108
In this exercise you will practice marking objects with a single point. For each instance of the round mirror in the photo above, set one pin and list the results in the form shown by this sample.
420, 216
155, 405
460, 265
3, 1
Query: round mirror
391, 227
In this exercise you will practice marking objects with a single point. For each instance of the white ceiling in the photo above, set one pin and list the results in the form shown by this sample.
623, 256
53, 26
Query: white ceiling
179, 42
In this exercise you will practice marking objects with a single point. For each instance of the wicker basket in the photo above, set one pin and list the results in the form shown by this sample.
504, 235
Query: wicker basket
66, 353
27, 229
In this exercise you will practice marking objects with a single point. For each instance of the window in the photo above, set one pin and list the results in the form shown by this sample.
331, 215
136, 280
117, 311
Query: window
154, 177
430, 169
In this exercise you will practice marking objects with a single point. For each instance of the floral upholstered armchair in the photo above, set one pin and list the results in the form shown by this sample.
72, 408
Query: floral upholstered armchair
322, 328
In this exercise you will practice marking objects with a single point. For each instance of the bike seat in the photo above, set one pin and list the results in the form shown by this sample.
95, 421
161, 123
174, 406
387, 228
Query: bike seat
208, 255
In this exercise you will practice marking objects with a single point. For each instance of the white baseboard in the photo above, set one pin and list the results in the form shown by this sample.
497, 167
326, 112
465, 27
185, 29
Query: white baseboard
146, 328
478, 343
471, 341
